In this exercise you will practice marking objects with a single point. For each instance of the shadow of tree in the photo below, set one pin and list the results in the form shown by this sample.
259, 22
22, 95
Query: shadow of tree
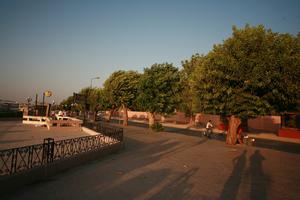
231, 187
125, 173
153, 184
182, 131
134, 187
277, 145
179, 188
150, 153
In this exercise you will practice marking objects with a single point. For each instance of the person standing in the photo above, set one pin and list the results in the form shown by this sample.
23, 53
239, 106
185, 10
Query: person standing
209, 127
240, 135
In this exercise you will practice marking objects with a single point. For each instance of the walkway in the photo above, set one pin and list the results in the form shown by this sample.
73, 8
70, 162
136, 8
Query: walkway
176, 166
15, 134
258, 135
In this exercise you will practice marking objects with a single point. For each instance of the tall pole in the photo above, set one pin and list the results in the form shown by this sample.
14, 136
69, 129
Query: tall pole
91, 86
43, 102
35, 108
92, 81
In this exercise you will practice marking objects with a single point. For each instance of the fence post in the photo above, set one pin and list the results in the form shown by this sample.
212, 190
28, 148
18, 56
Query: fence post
14, 161
48, 150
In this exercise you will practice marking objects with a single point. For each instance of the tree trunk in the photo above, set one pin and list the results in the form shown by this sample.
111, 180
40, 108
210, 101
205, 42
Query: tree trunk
192, 120
125, 116
111, 112
234, 123
162, 119
151, 118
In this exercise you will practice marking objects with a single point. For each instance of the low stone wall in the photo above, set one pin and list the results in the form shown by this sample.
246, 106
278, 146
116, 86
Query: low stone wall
265, 124
10, 183
48, 122
259, 124
202, 119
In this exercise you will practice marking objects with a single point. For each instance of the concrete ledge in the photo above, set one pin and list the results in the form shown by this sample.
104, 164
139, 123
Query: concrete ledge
10, 183
89, 131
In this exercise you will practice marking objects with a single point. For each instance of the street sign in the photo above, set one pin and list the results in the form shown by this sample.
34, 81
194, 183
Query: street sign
48, 93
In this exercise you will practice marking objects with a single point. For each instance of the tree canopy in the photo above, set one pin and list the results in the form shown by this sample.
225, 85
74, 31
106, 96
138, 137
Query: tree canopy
121, 88
188, 98
254, 72
159, 89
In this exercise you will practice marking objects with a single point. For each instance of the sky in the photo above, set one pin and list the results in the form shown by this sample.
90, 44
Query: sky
60, 45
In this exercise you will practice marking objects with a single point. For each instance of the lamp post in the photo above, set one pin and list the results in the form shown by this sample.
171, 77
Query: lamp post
86, 96
46, 94
93, 79
28, 105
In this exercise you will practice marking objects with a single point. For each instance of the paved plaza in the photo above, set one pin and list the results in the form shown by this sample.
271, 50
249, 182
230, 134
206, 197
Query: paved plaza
15, 134
168, 165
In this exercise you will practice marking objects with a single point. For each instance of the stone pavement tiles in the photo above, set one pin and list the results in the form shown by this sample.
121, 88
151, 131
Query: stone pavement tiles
176, 166
15, 134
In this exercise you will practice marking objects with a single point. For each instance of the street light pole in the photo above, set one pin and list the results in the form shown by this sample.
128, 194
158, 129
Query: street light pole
86, 96
92, 81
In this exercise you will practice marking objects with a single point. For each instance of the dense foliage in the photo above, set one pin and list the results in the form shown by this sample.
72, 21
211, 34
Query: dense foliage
159, 89
188, 103
254, 72
121, 88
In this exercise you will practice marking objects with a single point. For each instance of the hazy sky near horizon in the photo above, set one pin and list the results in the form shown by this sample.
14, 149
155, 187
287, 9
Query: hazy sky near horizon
59, 45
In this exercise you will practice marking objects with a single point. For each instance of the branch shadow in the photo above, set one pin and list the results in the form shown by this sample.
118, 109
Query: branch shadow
182, 131
179, 188
133, 187
157, 184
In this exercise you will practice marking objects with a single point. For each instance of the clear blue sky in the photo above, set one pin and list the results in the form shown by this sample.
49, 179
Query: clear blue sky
59, 45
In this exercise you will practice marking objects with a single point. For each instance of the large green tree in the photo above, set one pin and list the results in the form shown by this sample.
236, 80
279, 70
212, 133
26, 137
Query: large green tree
254, 72
121, 88
66, 104
92, 95
188, 101
159, 90
97, 99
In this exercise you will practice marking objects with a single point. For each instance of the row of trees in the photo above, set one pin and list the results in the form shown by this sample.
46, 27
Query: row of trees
157, 90
254, 72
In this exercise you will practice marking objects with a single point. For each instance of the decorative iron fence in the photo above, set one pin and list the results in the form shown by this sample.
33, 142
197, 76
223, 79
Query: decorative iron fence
24, 158
106, 129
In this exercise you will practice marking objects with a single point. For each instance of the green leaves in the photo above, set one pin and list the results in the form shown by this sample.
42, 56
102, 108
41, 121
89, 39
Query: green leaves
159, 89
121, 88
254, 72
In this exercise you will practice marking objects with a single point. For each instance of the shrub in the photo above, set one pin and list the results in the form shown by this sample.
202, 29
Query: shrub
157, 127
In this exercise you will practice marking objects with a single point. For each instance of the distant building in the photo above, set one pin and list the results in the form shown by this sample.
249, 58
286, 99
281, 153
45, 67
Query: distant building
8, 106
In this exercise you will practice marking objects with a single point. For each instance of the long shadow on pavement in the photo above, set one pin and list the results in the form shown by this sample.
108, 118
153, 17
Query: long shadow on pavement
184, 131
259, 142
260, 182
178, 188
232, 184
277, 145
126, 175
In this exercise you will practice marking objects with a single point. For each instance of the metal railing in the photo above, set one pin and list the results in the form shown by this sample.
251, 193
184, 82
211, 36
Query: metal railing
24, 158
106, 129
